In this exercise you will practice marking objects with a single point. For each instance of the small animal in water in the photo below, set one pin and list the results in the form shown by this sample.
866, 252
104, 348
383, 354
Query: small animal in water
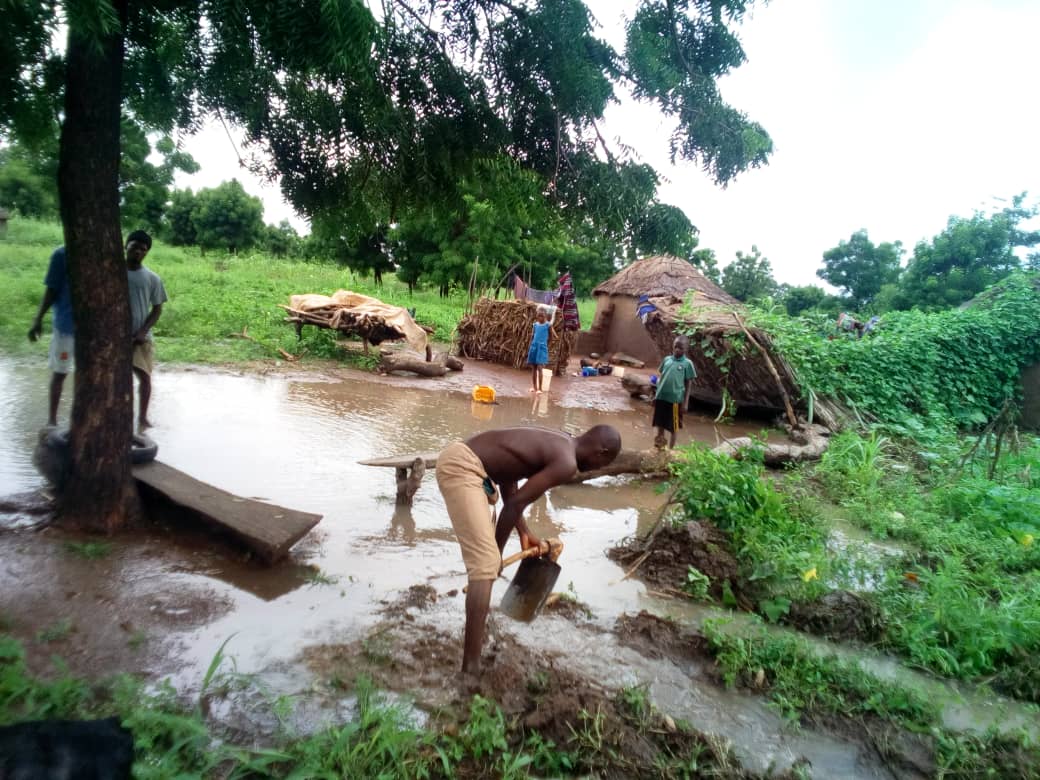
66, 750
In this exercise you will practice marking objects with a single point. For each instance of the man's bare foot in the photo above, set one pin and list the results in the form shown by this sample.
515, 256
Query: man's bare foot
537, 392
144, 424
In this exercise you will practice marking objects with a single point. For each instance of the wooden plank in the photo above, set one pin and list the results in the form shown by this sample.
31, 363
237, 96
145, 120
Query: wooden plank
403, 461
266, 529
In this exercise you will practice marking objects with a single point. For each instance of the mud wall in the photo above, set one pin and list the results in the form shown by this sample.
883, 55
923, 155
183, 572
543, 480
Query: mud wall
626, 333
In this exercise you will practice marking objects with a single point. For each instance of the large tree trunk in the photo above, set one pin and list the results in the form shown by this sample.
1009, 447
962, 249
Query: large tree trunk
99, 492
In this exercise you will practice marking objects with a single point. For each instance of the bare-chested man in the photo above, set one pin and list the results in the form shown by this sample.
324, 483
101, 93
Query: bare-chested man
471, 474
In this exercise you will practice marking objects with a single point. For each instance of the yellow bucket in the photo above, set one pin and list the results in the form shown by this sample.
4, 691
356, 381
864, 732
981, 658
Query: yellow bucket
484, 394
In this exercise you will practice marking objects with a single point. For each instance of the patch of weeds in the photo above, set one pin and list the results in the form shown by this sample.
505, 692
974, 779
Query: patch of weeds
137, 640
547, 759
636, 704
800, 681
376, 648
56, 632
781, 549
696, 585
314, 576
91, 551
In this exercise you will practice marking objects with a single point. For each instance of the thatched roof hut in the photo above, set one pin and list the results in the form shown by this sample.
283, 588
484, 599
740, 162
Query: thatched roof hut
616, 326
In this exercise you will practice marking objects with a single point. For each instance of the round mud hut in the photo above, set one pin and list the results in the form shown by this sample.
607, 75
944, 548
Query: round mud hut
618, 327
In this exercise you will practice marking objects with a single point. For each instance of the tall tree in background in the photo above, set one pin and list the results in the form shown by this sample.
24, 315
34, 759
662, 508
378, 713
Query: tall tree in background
860, 268
707, 263
968, 256
749, 277
356, 117
227, 217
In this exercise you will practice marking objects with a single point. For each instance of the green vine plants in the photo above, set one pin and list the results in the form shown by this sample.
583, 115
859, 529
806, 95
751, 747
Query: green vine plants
920, 370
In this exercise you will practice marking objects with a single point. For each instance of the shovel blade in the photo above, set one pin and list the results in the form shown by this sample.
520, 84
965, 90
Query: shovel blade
530, 588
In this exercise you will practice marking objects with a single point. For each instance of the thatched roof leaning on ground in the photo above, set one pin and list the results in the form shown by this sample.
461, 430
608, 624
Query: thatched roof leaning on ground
728, 354
663, 275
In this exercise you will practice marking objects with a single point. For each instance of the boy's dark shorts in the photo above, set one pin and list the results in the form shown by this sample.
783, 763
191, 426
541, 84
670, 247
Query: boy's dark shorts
667, 415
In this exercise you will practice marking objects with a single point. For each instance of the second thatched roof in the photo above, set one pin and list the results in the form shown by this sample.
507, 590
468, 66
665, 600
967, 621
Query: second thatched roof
663, 275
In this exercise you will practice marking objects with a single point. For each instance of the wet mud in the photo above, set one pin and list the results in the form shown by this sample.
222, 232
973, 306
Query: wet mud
663, 559
608, 734
838, 614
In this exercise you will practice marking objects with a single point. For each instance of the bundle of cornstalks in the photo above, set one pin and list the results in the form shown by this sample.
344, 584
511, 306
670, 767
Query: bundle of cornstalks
501, 331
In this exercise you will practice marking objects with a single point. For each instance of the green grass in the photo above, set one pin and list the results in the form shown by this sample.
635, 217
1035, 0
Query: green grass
88, 550
216, 298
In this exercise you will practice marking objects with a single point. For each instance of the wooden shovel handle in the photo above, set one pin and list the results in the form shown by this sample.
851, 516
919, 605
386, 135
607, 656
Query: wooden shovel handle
530, 552
551, 547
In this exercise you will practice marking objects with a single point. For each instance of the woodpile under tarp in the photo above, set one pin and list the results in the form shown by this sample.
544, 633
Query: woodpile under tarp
500, 332
732, 359
357, 315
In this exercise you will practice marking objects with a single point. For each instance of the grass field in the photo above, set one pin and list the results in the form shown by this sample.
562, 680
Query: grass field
215, 296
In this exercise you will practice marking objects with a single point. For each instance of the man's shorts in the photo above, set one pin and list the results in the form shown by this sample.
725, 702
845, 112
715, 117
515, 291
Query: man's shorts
667, 415
461, 479
144, 357
61, 357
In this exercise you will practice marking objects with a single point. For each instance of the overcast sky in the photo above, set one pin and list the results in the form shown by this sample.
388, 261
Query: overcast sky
888, 115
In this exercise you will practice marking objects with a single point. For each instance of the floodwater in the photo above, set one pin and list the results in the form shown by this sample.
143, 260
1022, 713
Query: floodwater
296, 441
164, 600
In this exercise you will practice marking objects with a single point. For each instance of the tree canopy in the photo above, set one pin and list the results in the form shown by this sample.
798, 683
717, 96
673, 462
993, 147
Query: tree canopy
971, 254
859, 268
365, 117
749, 277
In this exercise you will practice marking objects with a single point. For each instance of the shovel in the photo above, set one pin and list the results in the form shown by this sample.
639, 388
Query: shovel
534, 580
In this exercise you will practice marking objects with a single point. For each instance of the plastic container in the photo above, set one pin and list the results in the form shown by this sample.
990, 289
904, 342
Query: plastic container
547, 376
484, 394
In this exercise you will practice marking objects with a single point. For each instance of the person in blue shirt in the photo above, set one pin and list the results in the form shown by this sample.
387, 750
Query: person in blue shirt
538, 352
673, 392
62, 346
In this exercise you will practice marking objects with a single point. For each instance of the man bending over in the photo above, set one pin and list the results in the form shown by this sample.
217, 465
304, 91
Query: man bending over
471, 474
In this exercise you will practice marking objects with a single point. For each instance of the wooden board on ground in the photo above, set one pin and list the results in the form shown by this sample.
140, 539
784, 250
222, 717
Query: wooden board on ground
403, 461
266, 529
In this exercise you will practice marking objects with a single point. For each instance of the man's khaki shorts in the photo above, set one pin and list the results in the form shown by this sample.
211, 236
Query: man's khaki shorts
460, 477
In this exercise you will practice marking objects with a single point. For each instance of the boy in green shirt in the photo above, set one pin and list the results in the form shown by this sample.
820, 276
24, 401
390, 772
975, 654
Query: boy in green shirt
673, 392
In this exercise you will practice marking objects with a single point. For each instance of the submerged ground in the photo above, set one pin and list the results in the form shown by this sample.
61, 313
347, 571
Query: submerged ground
376, 590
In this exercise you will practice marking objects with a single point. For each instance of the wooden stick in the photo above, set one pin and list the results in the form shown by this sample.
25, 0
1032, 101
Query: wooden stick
772, 370
636, 565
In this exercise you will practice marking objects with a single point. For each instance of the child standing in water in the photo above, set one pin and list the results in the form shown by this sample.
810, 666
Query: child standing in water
673, 393
538, 353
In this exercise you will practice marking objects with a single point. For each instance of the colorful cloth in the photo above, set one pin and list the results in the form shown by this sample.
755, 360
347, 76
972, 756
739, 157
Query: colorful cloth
525, 293
644, 308
568, 303
538, 353
671, 386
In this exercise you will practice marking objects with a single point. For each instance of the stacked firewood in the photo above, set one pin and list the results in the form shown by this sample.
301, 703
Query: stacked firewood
501, 331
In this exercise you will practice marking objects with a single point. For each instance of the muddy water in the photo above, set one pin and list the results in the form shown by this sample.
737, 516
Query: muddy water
296, 441
163, 601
